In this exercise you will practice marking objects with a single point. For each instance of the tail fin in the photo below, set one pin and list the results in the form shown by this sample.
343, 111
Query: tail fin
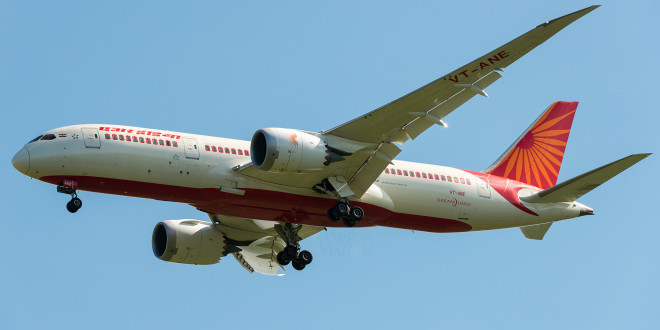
535, 157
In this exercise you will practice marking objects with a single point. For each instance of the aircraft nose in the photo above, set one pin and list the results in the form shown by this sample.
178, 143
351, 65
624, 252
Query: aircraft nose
21, 161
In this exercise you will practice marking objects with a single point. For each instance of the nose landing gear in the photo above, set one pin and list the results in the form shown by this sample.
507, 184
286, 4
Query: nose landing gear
343, 210
69, 187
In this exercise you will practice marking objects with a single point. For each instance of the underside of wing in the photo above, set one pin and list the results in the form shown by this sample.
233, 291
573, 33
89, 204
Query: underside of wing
256, 243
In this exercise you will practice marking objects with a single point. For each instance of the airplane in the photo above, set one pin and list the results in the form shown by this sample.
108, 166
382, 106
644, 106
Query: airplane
264, 196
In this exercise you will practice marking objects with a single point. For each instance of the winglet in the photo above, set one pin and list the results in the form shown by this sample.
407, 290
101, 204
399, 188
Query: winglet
571, 190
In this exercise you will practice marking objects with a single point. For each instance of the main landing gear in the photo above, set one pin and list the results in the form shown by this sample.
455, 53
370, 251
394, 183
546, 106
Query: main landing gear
68, 187
292, 253
343, 210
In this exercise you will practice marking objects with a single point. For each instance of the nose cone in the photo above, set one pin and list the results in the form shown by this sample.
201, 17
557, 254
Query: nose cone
21, 161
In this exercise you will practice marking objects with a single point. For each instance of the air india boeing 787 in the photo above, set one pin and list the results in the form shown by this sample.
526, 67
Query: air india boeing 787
264, 196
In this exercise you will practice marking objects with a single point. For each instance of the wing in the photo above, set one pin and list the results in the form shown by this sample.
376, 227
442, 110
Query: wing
256, 243
368, 142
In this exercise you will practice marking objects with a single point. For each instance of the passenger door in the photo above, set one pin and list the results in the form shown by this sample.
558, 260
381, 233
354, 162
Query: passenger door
192, 151
91, 137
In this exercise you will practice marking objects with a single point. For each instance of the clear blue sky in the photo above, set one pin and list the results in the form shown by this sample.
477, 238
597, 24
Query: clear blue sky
226, 69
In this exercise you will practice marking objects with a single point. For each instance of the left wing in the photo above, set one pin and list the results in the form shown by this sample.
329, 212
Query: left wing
367, 142
256, 242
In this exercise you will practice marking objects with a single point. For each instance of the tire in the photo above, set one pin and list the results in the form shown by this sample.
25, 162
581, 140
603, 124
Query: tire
76, 202
333, 215
342, 209
71, 208
357, 213
305, 257
348, 221
282, 260
297, 265
291, 252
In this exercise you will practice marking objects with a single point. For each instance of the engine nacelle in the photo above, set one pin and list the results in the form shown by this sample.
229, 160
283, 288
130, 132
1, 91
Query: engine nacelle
289, 150
188, 242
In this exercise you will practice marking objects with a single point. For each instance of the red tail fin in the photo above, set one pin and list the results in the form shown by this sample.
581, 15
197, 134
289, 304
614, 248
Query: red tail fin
535, 158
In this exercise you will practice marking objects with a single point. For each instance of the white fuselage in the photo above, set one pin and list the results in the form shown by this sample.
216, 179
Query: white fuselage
180, 168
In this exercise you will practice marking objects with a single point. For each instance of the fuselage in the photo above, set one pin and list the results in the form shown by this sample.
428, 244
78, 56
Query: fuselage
200, 171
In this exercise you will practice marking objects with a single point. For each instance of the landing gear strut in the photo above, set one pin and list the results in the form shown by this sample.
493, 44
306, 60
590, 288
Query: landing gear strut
343, 210
68, 187
292, 253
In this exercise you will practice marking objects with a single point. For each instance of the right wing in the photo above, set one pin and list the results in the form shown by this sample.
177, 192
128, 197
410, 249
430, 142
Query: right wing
369, 140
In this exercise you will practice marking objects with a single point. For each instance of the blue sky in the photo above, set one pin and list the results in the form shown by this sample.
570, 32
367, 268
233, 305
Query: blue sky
228, 69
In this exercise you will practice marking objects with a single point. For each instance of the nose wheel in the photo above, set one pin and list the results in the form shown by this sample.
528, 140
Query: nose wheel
68, 188
343, 211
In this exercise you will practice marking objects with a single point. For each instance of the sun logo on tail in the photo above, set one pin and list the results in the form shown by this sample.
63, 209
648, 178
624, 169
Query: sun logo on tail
293, 140
536, 158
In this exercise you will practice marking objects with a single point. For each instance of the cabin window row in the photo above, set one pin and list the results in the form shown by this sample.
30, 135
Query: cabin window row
430, 176
128, 138
232, 151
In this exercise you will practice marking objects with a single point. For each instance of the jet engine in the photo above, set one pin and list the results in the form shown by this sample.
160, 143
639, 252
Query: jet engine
188, 242
290, 151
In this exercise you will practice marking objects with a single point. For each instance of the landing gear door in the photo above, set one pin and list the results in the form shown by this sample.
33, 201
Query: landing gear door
192, 151
483, 186
91, 137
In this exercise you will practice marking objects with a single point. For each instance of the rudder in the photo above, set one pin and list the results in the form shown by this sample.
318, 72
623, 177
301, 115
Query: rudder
535, 157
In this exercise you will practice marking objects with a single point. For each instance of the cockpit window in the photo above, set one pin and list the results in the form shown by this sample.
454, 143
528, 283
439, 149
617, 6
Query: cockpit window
48, 137
36, 139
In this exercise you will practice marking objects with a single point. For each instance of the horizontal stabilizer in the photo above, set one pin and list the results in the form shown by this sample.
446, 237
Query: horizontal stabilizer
536, 231
571, 190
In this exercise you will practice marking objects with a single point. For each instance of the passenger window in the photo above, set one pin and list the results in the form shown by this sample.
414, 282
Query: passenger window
154, 141
148, 141
405, 172
423, 175
175, 144
398, 172
161, 142
128, 138
135, 139
448, 179
468, 182
121, 138
233, 151
462, 181
107, 136
220, 149
417, 174
207, 148
141, 139
436, 176
387, 171
167, 143
455, 179
114, 136
240, 152
226, 150
214, 149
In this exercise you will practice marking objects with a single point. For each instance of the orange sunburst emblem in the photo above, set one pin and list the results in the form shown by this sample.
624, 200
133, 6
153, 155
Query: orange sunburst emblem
536, 158
293, 140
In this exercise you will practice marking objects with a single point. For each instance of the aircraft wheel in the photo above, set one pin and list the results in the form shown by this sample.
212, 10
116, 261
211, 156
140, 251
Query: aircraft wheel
291, 252
305, 257
348, 221
297, 265
70, 207
76, 202
343, 209
282, 259
357, 213
333, 215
